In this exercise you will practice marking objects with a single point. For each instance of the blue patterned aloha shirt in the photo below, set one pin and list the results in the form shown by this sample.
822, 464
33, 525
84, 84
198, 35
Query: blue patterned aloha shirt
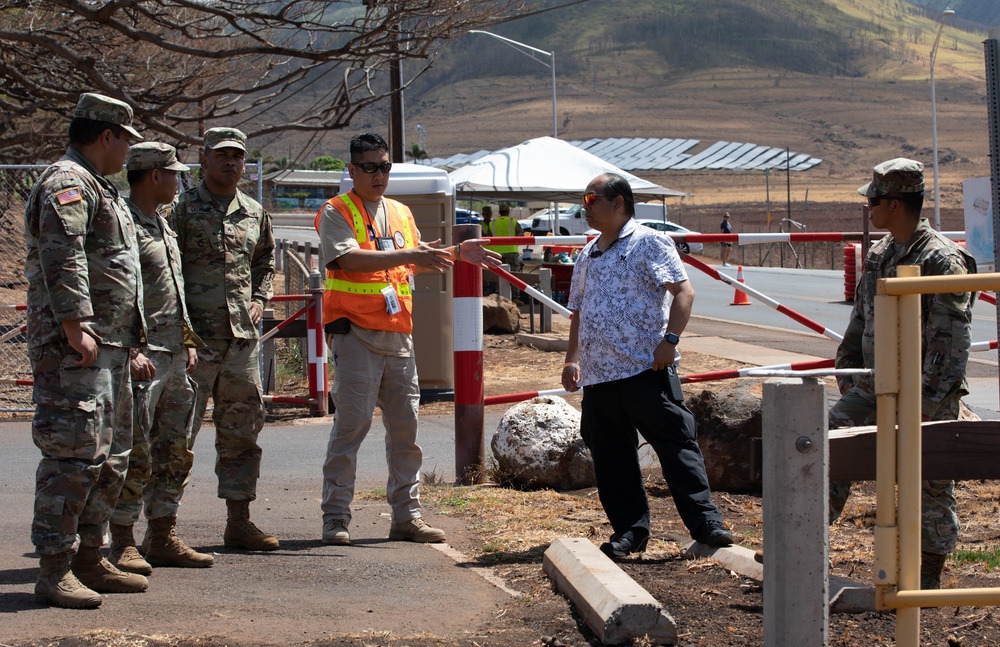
623, 303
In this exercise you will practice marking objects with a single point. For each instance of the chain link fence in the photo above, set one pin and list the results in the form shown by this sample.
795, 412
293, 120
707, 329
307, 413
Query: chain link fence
15, 187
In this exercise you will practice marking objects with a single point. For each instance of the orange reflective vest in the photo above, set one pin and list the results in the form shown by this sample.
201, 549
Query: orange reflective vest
358, 295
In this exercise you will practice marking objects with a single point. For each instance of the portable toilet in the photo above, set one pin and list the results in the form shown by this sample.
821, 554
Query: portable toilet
430, 195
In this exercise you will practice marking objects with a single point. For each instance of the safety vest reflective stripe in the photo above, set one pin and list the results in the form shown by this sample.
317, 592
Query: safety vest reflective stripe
359, 223
340, 285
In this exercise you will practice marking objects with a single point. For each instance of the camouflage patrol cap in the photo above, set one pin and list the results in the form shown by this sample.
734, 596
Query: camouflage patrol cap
98, 107
896, 176
225, 138
150, 155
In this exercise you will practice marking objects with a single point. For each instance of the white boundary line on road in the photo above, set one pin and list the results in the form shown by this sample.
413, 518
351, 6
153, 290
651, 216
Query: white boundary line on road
487, 574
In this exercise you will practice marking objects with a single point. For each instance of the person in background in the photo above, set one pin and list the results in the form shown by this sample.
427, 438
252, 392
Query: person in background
227, 254
631, 300
84, 314
164, 396
726, 248
895, 199
487, 220
507, 226
371, 247
490, 281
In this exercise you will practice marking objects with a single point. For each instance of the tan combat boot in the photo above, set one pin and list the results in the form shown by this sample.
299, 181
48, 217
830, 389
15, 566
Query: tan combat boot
99, 574
124, 554
242, 533
167, 549
58, 586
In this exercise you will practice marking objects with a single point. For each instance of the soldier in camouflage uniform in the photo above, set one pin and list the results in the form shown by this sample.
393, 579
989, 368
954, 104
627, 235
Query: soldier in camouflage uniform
228, 258
161, 459
895, 198
84, 314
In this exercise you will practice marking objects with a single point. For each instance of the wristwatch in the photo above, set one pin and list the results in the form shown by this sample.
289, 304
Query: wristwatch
672, 338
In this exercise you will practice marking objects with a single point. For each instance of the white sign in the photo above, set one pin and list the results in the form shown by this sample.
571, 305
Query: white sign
977, 194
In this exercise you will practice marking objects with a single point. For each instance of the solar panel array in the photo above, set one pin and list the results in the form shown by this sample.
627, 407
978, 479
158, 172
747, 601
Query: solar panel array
659, 154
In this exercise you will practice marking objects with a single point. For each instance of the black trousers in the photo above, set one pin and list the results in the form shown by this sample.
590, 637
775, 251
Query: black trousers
651, 404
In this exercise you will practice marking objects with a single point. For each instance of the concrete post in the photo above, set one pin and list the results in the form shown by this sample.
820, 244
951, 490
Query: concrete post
796, 506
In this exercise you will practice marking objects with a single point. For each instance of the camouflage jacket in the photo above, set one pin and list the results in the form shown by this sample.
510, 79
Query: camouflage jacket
947, 318
82, 261
167, 325
228, 261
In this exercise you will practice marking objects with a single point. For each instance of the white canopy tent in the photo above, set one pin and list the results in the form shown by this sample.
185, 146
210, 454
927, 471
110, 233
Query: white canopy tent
545, 169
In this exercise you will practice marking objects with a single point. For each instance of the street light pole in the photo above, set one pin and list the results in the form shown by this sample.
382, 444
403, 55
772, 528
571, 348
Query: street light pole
530, 52
937, 195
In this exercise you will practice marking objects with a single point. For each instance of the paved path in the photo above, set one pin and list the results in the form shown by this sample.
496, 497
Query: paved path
298, 593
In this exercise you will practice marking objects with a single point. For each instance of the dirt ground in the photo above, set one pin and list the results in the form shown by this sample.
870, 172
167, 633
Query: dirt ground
509, 530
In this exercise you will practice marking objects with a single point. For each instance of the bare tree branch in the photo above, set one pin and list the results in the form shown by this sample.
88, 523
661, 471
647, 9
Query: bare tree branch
187, 65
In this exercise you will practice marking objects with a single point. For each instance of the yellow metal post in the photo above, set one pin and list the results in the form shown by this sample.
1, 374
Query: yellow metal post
886, 392
909, 457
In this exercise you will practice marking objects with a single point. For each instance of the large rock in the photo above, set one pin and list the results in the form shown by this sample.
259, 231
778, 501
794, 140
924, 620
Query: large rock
500, 316
729, 433
538, 445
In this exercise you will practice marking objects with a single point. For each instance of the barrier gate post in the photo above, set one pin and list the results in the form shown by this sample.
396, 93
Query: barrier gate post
316, 341
470, 450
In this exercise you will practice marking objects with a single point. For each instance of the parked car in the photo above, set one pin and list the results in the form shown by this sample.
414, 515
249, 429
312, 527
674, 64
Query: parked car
666, 227
467, 217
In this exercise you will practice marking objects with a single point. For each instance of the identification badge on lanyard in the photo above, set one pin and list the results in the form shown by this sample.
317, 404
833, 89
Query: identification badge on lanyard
385, 244
391, 300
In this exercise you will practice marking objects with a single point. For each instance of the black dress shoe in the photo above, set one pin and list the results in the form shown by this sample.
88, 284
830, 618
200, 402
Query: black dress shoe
624, 545
713, 535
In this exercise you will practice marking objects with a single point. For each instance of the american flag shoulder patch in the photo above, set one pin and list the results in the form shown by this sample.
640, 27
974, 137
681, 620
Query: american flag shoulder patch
69, 195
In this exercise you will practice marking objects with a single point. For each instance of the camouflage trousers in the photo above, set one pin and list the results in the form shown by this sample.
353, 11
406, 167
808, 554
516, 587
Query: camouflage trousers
161, 460
228, 373
940, 523
83, 427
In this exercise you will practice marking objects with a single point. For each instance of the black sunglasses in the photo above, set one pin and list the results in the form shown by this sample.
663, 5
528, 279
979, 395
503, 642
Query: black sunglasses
371, 167
874, 202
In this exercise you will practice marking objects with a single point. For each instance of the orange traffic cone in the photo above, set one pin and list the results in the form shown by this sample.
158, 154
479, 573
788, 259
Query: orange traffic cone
740, 298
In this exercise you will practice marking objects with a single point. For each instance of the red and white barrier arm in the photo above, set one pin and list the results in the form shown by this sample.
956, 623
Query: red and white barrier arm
742, 372
685, 379
12, 333
981, 346
521, 397
12, 382
8, 307
545, 241
739, 239
988, 298
746, 289
284, 324
521, 285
